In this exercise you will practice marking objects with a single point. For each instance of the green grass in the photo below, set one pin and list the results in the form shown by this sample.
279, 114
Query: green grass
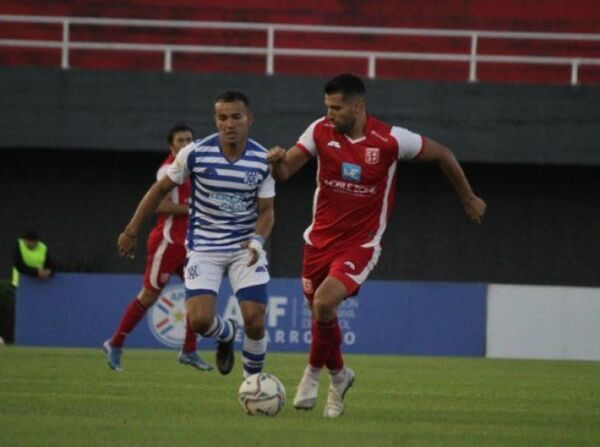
69, 397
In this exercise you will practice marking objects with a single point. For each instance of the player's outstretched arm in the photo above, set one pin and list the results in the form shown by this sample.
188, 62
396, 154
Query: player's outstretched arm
264, 225
127, 239
284, 163
432, 151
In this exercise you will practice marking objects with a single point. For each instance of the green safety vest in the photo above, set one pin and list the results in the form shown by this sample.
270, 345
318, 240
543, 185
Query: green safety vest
35, 258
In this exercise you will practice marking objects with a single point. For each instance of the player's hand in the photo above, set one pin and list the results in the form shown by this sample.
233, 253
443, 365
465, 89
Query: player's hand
254, 255
255, 249
126, 244
475, 208
44, 273
276, 155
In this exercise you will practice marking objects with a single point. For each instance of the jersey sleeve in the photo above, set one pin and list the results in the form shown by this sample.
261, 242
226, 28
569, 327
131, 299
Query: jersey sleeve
162, 171
306, 142
410, 144
179, 170
266, 189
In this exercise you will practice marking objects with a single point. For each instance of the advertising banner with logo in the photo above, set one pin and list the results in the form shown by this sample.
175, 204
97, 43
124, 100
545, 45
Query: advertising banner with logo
388, 317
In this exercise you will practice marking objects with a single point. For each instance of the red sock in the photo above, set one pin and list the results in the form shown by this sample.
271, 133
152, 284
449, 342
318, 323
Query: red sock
323, 338
335, 362
133, 314
189, 343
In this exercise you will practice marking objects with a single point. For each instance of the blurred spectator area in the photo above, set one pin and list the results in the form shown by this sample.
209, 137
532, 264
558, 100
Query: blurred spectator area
490, 41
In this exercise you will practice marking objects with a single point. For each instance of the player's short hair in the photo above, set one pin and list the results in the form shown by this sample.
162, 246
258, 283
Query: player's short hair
347, 84
232, 96
178, 128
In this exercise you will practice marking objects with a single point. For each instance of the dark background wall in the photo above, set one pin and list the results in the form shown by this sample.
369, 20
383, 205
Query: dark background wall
127, 111
542, 227
78, 150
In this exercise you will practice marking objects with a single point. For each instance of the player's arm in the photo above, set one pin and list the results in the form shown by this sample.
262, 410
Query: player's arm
284, 163
146, 207
435, 152
264, 225
167, 206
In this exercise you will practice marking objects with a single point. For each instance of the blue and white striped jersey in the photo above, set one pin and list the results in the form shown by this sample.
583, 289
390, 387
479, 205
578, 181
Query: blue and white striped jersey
224, 199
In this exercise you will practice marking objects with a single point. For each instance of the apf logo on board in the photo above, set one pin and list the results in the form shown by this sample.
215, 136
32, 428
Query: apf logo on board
287, 323
166, 318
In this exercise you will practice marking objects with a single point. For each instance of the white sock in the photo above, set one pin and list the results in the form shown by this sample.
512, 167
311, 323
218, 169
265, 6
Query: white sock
312, 372
253, 355
338, 376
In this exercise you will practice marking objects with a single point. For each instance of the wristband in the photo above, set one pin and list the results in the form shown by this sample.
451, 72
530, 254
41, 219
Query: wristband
258, 238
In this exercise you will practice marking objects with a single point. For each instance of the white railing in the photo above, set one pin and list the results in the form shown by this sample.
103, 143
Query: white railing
270, 51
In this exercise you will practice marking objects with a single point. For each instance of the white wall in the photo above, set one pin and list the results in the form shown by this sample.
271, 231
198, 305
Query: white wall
543, 322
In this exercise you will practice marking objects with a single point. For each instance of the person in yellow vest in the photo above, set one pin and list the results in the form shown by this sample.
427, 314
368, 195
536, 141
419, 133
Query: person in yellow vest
31, 258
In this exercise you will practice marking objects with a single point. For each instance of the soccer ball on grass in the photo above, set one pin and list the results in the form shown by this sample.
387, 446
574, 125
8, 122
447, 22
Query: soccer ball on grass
262, 394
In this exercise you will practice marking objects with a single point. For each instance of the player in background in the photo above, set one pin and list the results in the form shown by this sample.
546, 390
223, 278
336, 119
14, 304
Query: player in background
356, 181
165, 255
231, 215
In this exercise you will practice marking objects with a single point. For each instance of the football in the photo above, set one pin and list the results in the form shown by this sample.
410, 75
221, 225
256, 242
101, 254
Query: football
262, 394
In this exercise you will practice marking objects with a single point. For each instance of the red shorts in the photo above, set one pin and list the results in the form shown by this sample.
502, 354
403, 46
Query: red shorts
351, 265
162, 260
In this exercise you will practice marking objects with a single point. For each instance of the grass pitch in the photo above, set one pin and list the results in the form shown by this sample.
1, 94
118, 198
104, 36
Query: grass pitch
69, 397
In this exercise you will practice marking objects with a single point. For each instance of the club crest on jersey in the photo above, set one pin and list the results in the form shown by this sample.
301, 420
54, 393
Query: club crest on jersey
351, 172
251, 178
372, 155
166, 318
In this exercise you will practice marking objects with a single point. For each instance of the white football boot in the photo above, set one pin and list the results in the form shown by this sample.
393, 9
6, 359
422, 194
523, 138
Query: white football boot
335, 396
308, 388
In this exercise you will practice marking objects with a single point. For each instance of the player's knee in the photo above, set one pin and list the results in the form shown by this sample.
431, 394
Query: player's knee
322, 309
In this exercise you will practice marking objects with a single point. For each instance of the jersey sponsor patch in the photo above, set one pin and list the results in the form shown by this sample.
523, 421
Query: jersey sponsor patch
228, 202
372, 155
351, 172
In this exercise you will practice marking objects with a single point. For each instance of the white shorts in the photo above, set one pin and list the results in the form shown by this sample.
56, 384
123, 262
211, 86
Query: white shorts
204, 271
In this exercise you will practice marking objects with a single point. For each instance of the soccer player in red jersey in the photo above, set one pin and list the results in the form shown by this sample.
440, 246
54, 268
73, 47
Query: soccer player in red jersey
166, 255
356, 181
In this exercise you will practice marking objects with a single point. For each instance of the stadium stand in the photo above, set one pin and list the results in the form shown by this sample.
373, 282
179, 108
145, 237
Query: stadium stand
446, 30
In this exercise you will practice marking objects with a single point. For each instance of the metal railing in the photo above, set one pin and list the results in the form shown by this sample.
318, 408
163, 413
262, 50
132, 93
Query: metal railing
473, 58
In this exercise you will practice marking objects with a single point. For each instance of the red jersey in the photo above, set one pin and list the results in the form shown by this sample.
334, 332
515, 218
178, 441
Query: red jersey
169, 227
356, 180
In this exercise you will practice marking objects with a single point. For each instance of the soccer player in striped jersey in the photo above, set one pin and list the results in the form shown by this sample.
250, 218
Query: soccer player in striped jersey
356, 179
165, 255
231, 216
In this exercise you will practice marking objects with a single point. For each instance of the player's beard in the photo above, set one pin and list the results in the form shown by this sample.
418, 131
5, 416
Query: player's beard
344, 128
